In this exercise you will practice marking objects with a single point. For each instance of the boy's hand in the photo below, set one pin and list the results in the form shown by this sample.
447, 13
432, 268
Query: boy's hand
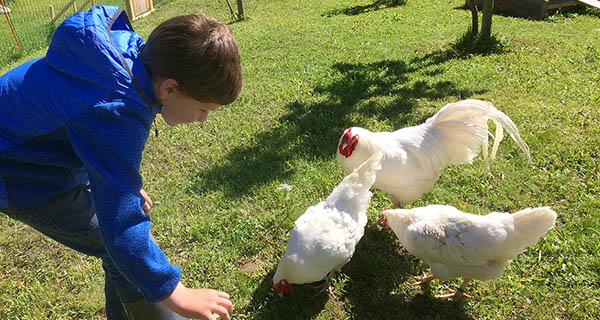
199, 303
148, 204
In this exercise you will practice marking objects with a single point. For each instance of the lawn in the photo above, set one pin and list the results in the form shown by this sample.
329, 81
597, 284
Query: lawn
311, 69
33, 26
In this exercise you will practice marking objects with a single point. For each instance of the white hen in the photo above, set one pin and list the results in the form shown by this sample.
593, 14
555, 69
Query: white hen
413, 157
457, 244
324, 237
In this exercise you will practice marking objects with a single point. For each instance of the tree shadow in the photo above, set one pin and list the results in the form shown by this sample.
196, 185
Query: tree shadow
311, 130
577, 9
465, 47
356, 10
497, 11
377, 271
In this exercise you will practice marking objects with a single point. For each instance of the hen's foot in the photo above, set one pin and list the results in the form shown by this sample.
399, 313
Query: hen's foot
422, 280
458, 293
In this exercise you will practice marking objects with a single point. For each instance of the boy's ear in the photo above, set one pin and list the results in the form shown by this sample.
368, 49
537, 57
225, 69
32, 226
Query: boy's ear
166, 87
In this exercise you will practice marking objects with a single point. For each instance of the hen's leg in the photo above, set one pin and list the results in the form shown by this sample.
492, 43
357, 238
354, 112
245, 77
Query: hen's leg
381, 222
423, 280
459, 293
326, 286
395, 202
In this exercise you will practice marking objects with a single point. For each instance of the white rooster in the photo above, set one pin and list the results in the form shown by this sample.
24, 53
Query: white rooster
413, 157
324, 237
458, 244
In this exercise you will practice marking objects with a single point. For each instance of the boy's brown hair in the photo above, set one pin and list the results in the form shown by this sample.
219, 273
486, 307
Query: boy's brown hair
200, 53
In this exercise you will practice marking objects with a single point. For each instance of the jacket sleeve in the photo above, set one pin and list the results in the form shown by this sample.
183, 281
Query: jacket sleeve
109, 139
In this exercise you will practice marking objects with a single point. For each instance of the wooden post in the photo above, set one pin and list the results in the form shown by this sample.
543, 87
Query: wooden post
240, 5
93, 4
131, 9
75, 6
67, 6
486, 20
52, 12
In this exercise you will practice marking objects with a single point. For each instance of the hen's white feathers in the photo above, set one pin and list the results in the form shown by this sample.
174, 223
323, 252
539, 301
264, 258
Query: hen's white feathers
324, 237
458, 244
413, 157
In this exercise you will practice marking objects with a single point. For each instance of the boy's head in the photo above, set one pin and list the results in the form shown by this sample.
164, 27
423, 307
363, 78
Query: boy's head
200, 54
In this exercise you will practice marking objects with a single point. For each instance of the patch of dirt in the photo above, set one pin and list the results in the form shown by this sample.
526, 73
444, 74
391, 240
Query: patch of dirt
253, 265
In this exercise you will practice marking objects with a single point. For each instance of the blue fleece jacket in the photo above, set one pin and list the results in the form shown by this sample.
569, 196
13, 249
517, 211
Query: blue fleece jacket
82, 114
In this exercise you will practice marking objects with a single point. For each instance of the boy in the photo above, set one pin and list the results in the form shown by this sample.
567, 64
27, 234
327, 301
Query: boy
73, 125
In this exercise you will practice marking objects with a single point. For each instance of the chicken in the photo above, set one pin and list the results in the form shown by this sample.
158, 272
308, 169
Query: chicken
457, 244
324, 237
413, 157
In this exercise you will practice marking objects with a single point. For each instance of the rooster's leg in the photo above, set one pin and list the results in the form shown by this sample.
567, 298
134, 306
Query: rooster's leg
423, 280
459, 293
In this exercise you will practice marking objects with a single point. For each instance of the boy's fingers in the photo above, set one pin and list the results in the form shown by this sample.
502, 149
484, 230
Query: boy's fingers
223, 294
148, 203
226, 303
222, 312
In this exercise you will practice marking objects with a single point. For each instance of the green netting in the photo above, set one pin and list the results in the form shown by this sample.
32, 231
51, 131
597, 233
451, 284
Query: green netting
32, 23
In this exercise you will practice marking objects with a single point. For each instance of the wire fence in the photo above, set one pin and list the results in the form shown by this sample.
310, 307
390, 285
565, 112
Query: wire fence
28, 25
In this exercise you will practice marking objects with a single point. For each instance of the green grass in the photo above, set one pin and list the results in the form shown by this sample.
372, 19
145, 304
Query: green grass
311, 69
31, 21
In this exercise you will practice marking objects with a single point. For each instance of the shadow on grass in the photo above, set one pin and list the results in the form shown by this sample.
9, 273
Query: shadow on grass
497, 12
377, 272
372, 289
304, 302
356, 10
311, 130
557, 14
467, 46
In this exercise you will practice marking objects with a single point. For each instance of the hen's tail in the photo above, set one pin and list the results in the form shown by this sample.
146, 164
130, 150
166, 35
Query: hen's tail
464, 125
529, 226
353, 192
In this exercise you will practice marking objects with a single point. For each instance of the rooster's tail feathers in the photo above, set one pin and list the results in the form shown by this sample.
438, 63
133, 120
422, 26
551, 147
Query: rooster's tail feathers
475, 114
501, 120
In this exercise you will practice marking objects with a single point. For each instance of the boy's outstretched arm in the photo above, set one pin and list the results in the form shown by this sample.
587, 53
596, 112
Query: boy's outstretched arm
199, 303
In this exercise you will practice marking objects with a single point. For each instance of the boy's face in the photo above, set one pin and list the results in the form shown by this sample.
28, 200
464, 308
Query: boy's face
178, 108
